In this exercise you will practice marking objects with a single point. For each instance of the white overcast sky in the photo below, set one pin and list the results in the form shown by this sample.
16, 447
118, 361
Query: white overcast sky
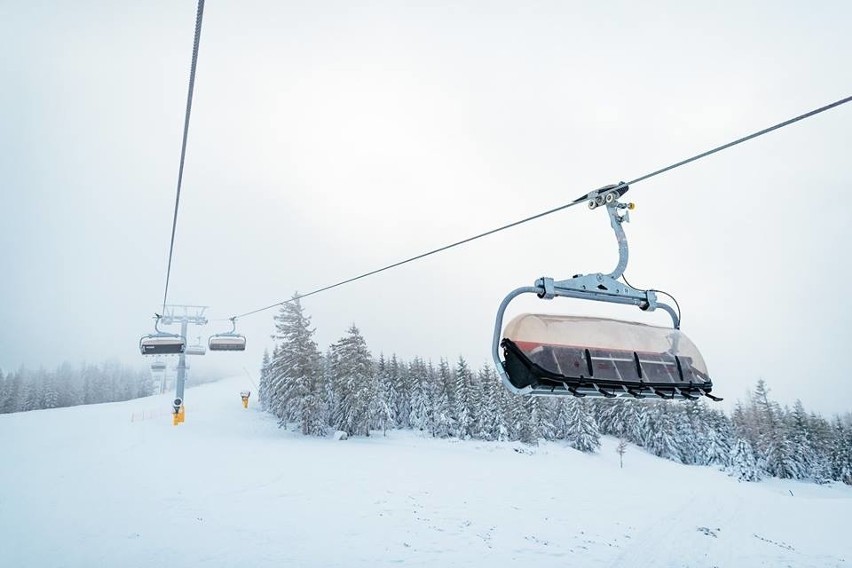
331, 138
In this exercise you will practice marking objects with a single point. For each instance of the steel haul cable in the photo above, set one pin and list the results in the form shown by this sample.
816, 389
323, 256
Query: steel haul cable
577, 201
198, 17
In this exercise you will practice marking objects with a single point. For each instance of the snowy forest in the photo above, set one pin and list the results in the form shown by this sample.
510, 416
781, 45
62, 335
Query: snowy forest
347, 389
67, 385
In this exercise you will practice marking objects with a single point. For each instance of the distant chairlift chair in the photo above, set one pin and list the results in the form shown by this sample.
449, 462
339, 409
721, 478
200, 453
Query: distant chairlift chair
196, 349
227, 341
162, 343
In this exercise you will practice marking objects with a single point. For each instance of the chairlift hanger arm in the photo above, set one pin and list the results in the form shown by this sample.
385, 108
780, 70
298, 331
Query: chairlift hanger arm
599, 286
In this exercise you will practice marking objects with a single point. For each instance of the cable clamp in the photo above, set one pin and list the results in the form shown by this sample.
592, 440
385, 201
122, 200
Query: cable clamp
548, 289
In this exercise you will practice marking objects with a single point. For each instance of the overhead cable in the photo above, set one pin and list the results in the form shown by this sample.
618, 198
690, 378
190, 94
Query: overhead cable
197, 40
577, 201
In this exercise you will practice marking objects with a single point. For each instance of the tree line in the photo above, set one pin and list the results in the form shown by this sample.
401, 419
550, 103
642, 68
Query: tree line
349, 390
67, 385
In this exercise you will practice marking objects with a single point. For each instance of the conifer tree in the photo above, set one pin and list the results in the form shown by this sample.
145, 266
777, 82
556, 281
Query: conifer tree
743, 463
277, 387
50, 396
354, 384
802, 458
506, 405
580, 429
382, 409
442, 421
5, 387
465, 398
611, 417
527, 418
661, 439
402, 393
296, 388
718, 439
840, 456
769, 433
489, 419
688, 431
31, 396
263, 383
419, 415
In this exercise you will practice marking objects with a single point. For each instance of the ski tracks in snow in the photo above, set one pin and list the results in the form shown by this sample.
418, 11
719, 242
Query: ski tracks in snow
689, 535
710, 532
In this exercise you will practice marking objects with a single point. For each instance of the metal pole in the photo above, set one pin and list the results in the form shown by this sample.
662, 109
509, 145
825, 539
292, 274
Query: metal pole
181, 370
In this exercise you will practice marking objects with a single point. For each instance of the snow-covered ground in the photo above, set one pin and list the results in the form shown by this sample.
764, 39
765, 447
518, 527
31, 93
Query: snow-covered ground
87, 486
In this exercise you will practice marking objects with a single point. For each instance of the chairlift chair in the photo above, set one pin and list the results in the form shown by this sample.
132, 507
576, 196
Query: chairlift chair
162, 343
553, 355
196, 349
158, 366
227, 341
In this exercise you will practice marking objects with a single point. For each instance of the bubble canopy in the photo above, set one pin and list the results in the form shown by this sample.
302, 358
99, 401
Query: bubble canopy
532, 330
589, 353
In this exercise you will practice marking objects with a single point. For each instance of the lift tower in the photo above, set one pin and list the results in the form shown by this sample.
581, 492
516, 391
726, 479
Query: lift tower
184, 315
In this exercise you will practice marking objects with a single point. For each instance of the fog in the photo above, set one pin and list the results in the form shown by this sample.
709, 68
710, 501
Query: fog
328, 139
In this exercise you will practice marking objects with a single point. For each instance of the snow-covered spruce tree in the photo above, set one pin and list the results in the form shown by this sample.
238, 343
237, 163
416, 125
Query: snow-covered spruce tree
465, 401
718, 439
51, 392
661, 440
296, 389
639, 418
743, 464
506, 405
263, 383
561, 422
145, 386
821, 442
802, 457
581, 430
4, 391
840, 456
611, 416
276, 387
690, 429
442, 423
382, 406
401, 392
71, 390
761, 423
353, 380
314, 408
31, 395
516, 416
528, 420
548, 411
418, 375
10, 388
330, 396
489, 419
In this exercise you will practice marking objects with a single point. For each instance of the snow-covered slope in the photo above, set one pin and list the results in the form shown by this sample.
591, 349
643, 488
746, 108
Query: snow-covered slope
87, 486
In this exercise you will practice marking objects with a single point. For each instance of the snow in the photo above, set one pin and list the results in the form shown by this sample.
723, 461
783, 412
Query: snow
86, 486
